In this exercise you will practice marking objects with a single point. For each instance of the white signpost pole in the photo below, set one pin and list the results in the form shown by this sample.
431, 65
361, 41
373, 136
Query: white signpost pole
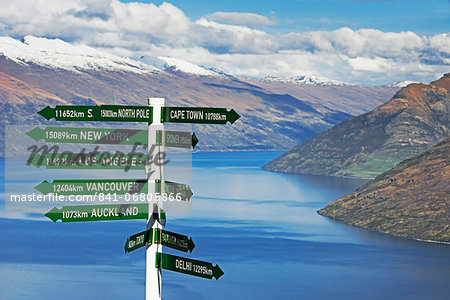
153, 278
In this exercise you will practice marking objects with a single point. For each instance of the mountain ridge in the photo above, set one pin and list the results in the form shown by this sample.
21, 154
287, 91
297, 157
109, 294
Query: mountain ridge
306, 79
364, 146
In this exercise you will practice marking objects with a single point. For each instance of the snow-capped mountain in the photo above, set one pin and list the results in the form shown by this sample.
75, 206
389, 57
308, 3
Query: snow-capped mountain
57, 54
400, 84
309, 80
187, 67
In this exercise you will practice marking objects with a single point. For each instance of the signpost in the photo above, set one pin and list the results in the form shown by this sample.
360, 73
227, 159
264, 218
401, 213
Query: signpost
110, 113
188, 266
107, 212
154, 237
153, 276
201, 115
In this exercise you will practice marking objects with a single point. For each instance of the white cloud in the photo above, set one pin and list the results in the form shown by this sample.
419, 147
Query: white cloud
163, 22
366, 56
236, 18
223, 38
441, 42
376, 65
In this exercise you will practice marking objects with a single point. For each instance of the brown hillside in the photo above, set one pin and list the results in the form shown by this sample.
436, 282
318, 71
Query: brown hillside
411, 200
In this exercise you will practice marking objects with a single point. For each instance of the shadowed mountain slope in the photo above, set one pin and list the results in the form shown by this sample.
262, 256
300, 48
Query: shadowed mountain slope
414, 120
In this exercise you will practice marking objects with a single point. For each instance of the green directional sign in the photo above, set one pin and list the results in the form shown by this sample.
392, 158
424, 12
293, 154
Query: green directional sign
188, 266
110, 113
88, 161
89, 135
174, 240
179, 139
177, 190
204, 115
93, 186
138, 240
159, 236
106, 212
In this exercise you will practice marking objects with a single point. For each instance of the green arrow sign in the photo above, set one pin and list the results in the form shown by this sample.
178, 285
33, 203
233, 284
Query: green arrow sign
111, 113
87, 161
188, 266
173, 190
89, 135
83, 213
93, 186
205, 115
177, 190
138, 240
179, 139
159, 236
174, 240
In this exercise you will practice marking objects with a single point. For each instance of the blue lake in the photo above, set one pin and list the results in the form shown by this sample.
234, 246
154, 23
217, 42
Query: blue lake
260, 227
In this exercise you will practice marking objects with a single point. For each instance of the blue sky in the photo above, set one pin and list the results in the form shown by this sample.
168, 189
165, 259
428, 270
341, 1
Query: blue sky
420, 16
362, 42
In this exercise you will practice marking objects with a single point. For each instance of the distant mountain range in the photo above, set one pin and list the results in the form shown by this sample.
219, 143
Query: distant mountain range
414, 120
36, 72
411, 200
309, 80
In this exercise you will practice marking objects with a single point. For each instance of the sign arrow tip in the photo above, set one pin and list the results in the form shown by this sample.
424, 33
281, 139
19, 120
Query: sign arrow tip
34, 160
233, 116
44, 187
125, 246
47, 112
36, 134
54, 214
189, 193
191, 245
217, 272
194, 140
